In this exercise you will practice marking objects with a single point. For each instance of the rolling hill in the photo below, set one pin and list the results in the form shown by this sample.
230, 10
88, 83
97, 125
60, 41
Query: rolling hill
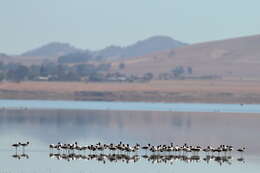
231, 58
53, 49
238, 57
140, 48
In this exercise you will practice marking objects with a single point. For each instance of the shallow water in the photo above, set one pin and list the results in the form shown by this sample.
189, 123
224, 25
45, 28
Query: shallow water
127, 106
43, 127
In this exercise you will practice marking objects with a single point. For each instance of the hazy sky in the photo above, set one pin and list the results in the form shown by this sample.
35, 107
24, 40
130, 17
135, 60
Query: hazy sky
94, 24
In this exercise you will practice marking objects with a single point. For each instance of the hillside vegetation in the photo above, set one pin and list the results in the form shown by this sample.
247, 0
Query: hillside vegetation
239, 58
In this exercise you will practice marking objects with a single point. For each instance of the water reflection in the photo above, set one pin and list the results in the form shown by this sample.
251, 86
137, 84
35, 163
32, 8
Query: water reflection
43, 127
241, 159
126, 153
154, 158
20, 156
144, 127
107, 125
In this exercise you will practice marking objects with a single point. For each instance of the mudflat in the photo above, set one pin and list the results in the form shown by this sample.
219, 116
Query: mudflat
214, 91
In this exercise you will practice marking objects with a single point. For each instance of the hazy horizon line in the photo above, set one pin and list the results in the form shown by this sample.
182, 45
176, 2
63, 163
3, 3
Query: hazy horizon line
122, 46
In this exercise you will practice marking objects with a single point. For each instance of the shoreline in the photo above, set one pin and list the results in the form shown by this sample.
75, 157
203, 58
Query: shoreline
128, 106
150, 97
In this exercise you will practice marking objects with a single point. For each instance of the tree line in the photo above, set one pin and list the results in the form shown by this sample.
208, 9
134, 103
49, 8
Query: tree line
50, 71
82, 72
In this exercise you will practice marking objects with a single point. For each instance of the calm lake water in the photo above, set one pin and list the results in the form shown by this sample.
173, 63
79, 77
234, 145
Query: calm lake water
43, 127
127, 106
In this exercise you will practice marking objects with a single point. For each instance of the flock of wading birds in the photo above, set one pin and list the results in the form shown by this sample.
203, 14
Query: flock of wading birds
126, 153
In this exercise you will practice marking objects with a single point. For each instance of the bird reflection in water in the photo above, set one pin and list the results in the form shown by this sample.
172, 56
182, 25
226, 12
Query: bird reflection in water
156, 154
23, 155
20, 156
241, 159
154, 158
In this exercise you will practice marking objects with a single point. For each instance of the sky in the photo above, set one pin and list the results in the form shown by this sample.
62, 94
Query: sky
95, 24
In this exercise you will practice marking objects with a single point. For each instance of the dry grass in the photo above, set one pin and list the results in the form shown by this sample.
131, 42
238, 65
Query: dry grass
190, 86
227, 58
214, 91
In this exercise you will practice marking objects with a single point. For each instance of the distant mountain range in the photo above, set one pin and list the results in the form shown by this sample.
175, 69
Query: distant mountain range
235, 57
140, 48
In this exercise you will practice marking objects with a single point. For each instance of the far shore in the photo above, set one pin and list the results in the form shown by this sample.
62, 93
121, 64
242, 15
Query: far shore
185, 91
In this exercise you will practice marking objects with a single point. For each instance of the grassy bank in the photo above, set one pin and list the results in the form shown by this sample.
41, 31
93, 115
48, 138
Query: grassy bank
214, 91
